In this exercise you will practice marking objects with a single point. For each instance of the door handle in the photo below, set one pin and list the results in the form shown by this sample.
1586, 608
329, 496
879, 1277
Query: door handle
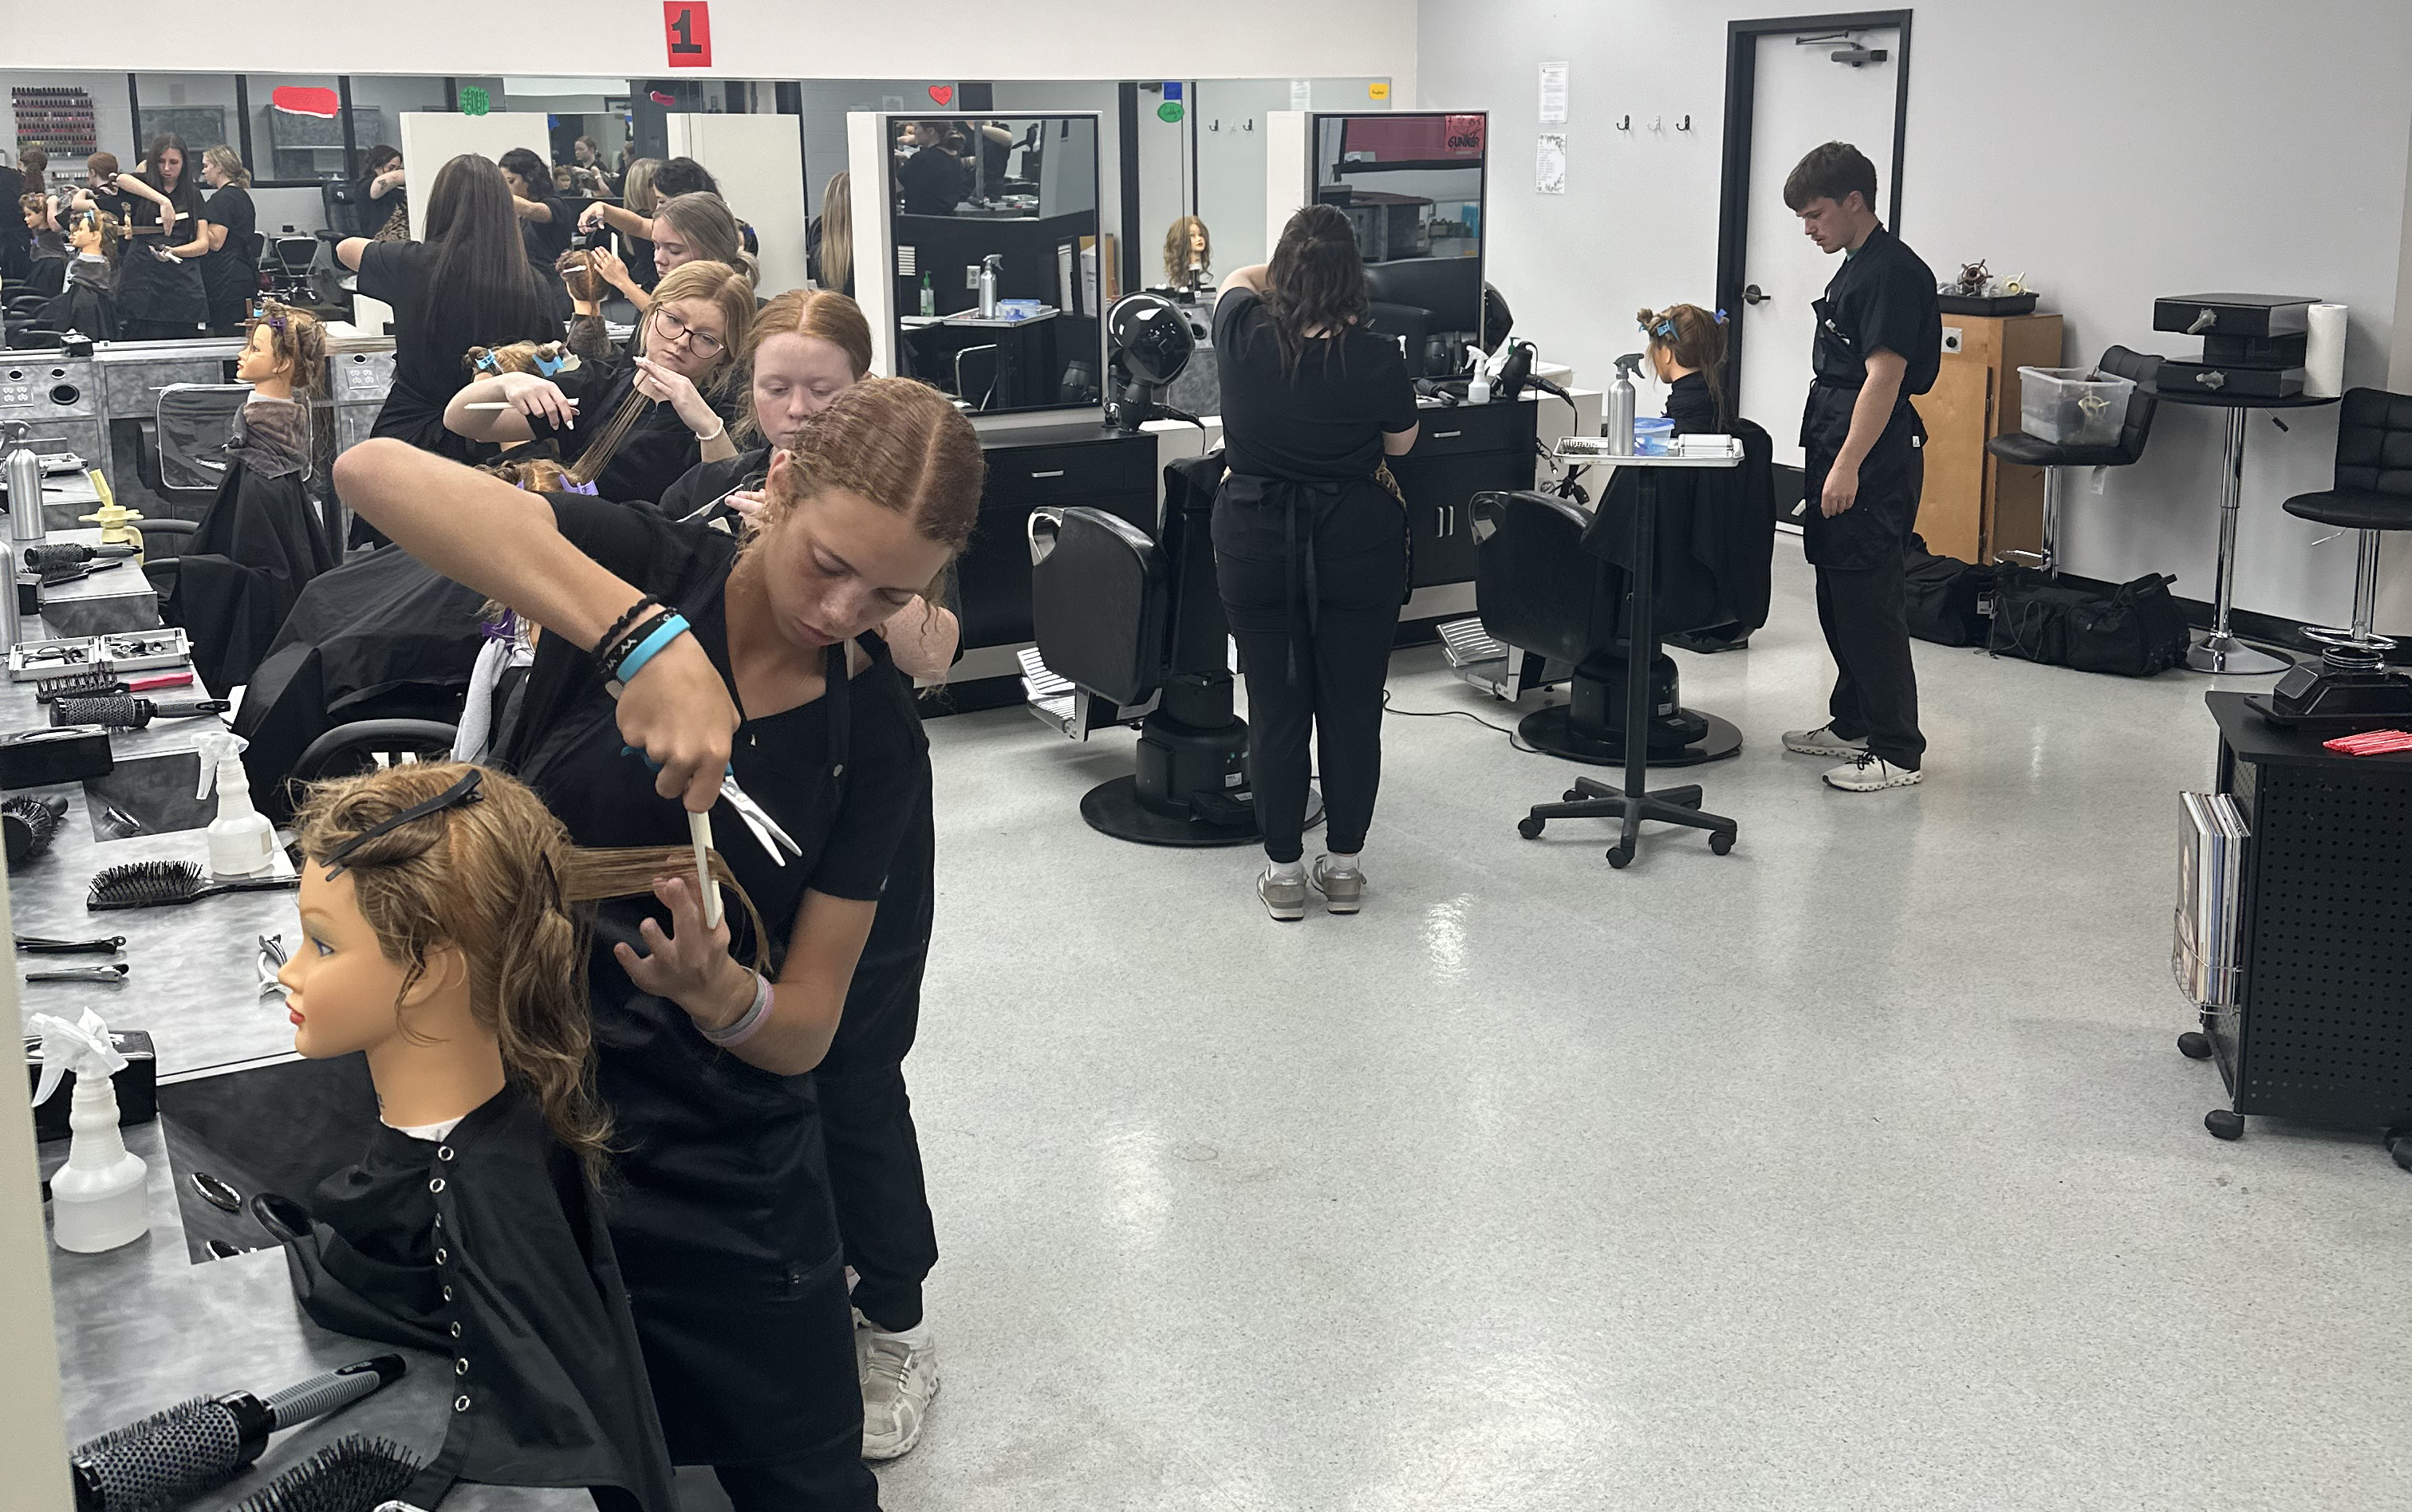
1751, 294
1056, 473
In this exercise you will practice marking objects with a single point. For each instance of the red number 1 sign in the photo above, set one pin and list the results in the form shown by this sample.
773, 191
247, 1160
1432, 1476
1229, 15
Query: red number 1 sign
687, 26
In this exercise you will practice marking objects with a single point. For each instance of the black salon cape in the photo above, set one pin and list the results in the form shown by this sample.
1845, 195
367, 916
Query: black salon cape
657, 450
259, 544
489, 1248
380, 637
1882, 298
87, 305
707, 483
722, 1214
1715, 539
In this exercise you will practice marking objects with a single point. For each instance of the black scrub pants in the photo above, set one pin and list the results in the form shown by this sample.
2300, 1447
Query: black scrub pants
1860, 602
1312, 577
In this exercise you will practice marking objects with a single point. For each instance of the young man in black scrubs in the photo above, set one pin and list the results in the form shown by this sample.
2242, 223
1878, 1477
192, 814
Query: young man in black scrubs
1879, 341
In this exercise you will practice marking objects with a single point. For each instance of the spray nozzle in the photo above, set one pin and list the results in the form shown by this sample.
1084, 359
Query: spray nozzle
216, 752
82, 1047
1629, 365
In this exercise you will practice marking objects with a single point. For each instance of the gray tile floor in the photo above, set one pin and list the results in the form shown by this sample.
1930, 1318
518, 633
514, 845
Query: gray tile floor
1855, 1169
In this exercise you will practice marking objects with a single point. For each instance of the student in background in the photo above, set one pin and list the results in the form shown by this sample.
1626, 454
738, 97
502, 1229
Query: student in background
1879, 340
381, 198
230, 267
160, 296
829, 247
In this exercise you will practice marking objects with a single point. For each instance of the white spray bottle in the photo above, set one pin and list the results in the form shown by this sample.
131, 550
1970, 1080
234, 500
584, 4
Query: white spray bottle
241, 841
98, 1200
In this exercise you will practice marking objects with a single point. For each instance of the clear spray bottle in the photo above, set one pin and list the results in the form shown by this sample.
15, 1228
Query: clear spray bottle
97, 1199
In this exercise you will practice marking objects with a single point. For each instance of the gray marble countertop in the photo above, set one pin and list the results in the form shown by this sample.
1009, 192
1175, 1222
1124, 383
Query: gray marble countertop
140, 1328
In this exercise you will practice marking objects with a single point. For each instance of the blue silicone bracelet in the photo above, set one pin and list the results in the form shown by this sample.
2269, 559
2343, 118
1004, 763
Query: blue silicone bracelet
635, 661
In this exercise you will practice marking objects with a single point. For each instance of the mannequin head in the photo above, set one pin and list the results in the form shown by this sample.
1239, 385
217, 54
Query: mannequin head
1186, 242
96, 232
35, 208
543, 358
450, 947
287, 350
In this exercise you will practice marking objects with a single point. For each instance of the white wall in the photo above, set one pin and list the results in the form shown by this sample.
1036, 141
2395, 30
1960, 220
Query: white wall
430, 139
757, 161
2195, 149
767, 39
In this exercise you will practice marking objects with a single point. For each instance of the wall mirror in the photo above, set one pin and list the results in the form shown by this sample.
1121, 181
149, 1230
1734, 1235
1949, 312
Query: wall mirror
1411, 183
995, 223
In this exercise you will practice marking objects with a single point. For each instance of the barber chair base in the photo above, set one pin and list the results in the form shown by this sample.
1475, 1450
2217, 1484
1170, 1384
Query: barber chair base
1113, 808
1589, 799
1553, 730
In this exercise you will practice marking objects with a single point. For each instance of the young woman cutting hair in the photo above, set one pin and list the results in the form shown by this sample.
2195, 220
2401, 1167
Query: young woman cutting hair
691, 228
160, 296
757, 655
633, 426
489, 298
1311, 541
230, 225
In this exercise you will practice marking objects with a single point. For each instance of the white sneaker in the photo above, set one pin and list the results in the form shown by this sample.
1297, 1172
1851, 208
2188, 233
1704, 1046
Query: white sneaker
900, 1380
1866, 773
1822, 741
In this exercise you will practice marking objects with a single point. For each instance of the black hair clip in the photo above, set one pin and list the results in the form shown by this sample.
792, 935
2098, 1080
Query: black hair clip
464, 791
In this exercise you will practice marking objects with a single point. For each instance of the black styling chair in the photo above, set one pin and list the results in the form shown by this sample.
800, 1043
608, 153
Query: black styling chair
1548, 580
2055, 459
1434, 308
2371, 495
367, 745
1129, 630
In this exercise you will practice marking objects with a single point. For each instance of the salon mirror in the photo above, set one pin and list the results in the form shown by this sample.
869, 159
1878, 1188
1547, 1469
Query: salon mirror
1411, 183
995, 225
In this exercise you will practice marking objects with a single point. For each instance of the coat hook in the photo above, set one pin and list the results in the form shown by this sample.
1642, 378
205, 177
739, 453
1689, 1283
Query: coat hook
1684, 124
1625, 123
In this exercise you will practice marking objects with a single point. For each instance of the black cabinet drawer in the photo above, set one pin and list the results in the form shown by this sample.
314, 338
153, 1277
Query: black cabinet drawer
1053, 473
1476, 427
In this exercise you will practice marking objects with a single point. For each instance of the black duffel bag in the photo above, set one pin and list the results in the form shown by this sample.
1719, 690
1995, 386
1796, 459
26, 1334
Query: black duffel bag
1945, 596
2134, 630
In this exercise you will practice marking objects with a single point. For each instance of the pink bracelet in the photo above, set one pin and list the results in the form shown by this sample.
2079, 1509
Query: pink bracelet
750, 1023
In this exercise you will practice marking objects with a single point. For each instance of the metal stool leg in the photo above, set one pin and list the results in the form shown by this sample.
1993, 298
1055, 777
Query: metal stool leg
2219, 650
2046, 559
2359, 646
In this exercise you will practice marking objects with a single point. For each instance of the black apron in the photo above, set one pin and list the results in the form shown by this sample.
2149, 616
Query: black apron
1245, 506
721, 1212
487, 1248
167, 293
1878, 523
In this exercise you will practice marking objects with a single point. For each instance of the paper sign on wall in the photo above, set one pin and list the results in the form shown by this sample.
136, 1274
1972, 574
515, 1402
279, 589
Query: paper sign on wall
1550, 164
686, 30
1553, 94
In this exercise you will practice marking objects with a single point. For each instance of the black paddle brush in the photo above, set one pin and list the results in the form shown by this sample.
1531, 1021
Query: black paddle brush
355, 1473
159, 884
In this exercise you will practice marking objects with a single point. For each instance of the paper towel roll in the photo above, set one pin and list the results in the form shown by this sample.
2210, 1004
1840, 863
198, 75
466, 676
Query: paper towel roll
2324, 352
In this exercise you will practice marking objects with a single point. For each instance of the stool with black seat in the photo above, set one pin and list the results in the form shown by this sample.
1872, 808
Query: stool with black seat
1550, 581
2352, 686
2055, 459
1129, 630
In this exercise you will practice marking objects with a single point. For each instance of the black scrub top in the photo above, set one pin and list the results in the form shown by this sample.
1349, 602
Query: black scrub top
489, 1247
1323, 423
546, 240
934, 182
231, 273
150, 288
1882, 298
426, 374
373, 211
722, 1215
655, 453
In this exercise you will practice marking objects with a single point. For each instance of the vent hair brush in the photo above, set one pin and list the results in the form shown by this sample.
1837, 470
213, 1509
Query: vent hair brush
160, 884
30, 825
172, 1456
104, 685
131, 714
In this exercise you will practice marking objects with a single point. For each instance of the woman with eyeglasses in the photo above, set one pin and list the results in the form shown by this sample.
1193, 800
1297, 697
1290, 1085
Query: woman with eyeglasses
686, 348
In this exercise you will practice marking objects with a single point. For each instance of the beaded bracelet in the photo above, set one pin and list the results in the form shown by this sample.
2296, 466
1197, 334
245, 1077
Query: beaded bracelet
612, 655
670, 630
749, 1023
621, 625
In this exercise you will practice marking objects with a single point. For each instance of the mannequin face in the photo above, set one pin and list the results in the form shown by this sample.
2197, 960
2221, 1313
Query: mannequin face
259, 362
839, 564
341, 991
795, 377
1196, 242
85, 237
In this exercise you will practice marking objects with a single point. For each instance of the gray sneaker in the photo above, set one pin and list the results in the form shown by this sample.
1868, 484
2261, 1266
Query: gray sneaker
1823, 742
1342, 890
1285, 900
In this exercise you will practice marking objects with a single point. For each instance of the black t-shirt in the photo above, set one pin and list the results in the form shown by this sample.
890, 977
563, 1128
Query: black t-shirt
147, 217
1325, 422
428, 366
934, 181
1693, 407
655, 453
1882, 298
232, 208
548, 239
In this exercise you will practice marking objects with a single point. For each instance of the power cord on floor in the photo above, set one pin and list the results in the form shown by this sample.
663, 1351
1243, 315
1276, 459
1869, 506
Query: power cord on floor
1513, 739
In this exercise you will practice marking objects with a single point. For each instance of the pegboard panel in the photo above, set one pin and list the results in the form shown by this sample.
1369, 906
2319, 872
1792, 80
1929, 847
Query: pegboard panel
2328, 1010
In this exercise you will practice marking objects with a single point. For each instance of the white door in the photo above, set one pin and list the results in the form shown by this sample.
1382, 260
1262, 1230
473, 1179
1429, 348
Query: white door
1802, 97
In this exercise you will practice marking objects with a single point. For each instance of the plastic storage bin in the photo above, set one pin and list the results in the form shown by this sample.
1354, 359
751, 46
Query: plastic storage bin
2073, 407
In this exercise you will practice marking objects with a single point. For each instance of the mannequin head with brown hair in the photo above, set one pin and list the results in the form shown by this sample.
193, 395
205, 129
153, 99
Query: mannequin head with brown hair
1187, 247
287, 350
451, 948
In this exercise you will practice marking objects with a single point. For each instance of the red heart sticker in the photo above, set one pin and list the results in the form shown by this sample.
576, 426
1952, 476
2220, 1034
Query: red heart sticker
943, 94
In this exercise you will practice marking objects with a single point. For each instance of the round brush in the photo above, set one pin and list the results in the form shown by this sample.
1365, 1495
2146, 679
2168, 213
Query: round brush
176, 1455
131, 714
63, 556
156, 884
30, 824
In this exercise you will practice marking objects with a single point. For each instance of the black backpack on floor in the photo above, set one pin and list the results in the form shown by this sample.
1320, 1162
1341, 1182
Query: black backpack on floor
1944, 595
2134, 630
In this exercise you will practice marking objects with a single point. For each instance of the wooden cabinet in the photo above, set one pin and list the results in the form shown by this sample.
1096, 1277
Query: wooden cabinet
1976, 506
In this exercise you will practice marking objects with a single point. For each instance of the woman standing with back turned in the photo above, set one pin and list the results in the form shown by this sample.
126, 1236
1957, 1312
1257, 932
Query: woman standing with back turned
1311, 541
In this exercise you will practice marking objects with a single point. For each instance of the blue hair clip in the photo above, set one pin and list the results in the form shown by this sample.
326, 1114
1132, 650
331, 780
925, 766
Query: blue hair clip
1664, 328
548, 366
1721, 317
